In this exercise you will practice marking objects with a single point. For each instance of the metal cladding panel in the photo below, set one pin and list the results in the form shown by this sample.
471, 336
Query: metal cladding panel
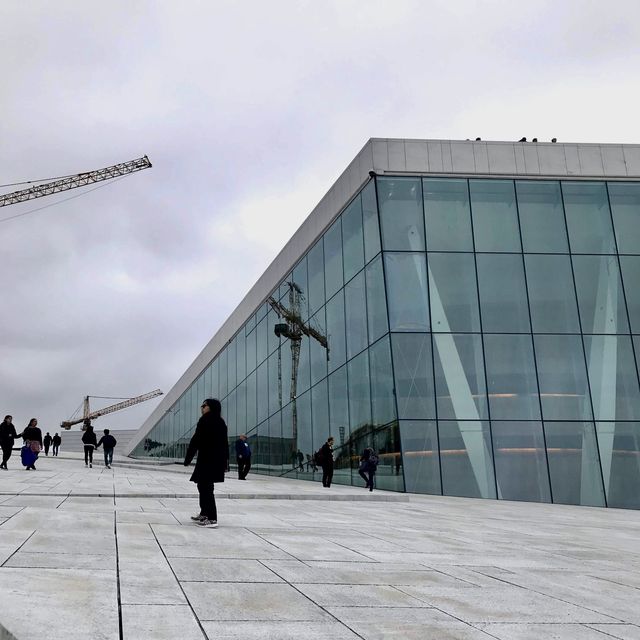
380, 155
462, 157
481, 157
447, 162
572, 160
552, 160
531, 160
397, 158
501, 158
435, 156
417, 155
518, 152
613, 160
632, 160
590, 160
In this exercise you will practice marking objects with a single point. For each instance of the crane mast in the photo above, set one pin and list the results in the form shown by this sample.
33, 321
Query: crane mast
75, 181
89, 415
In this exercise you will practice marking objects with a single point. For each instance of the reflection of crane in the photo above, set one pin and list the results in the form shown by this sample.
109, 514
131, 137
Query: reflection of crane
89, 415
294, 329
75, 181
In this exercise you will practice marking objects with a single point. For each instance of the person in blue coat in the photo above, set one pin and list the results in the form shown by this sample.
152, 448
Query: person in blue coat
212, 446
243, 456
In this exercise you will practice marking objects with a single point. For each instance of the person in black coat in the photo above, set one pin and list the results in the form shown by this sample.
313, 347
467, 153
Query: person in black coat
326, 460
57, 441
243, 456
7, 436
32, 434
47, 443
211, 444
90, 443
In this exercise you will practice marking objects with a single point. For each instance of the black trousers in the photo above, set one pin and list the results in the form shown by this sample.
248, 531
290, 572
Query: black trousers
46, 449
207, 500
55, 449
6, 454
327, 475
244, 464
88, 453
368, 477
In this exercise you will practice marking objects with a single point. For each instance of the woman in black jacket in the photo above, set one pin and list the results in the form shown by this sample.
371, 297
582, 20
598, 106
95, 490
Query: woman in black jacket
210, 443
7, 436
90, 443
33, 434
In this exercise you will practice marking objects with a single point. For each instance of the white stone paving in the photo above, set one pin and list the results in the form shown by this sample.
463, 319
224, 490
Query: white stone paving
112, 554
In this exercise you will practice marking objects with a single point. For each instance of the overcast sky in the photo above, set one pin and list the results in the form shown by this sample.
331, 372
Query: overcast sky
249, 111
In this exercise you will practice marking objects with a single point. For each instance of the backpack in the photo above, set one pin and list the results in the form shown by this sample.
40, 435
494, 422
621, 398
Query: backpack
373, 461
318, 457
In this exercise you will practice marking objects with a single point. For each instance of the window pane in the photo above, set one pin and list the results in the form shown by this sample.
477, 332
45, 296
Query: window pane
359, 392
600, 298
304, 366
263, 392
407, 291
631, 277
231, 366
382, 398
275, 373
562, 375
333, 259
315, 263
551, 294
370, 221
304, 439
619, 445
613, 377
356, 316
503, 295
454, 292
625, 209
541, 217
317, 351
222, 359
338, 405
495, 217
413, 368
252, 416
320, 415
459, 374
401, 218
466, 459
420, 458
251, 351
574, 465
300, 279
352, 239
241, 356
521, 462
447, 215
376, 301
511, 378
261, 340
336, 331
588, 217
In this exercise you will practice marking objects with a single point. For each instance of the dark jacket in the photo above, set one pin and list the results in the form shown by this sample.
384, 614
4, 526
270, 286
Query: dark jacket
57, 441
47, 440
326, 453
32, 433
89, 437
7, 434
243, 450
210, 443
108, 441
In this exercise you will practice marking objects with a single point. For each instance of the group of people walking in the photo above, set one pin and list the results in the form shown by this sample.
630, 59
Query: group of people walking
34, 443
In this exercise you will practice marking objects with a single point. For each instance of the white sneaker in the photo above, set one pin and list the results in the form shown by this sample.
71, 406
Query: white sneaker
209, 524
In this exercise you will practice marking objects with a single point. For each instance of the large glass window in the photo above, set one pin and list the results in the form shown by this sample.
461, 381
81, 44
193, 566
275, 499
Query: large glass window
401, 218
377, 320
466, 459
511, 377
336, 331
552, 297
562, 375
495, 216
503, 294
299, 279
359, 392
625, 209
339, 405
447, 215
333, 275
320, 414
588, 218
413, 369
459, 377
315, 263
407, 291
356, 315
521, 461
382, 398
318, 352
600, 298
241, 357
370, 221
352, 239
263, 392
420, 458
631, 277
453, 292
251, 351
541, 217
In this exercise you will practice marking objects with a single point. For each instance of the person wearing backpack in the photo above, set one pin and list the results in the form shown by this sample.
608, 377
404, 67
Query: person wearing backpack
368, 466
326, 461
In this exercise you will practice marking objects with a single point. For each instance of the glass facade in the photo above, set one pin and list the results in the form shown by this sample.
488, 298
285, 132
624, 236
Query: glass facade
483, 335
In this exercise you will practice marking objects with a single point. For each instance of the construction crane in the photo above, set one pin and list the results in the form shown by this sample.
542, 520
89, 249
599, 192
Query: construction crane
87, 414
75, 181
294, 328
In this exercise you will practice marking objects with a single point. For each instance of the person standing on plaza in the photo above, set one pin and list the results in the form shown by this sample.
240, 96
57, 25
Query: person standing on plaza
326, 461
243, 456
108, 443
32, 437
90, 443
368, 466
56, 441
212, 446
47, 443
7, 437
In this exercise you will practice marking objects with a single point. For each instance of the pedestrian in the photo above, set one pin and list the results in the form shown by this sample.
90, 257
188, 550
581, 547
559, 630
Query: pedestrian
368, 466
300, 458
243, 456
56, 441
212, 446
32, 437
108, 443
90, 442
7, 436
47, 443
326, 461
